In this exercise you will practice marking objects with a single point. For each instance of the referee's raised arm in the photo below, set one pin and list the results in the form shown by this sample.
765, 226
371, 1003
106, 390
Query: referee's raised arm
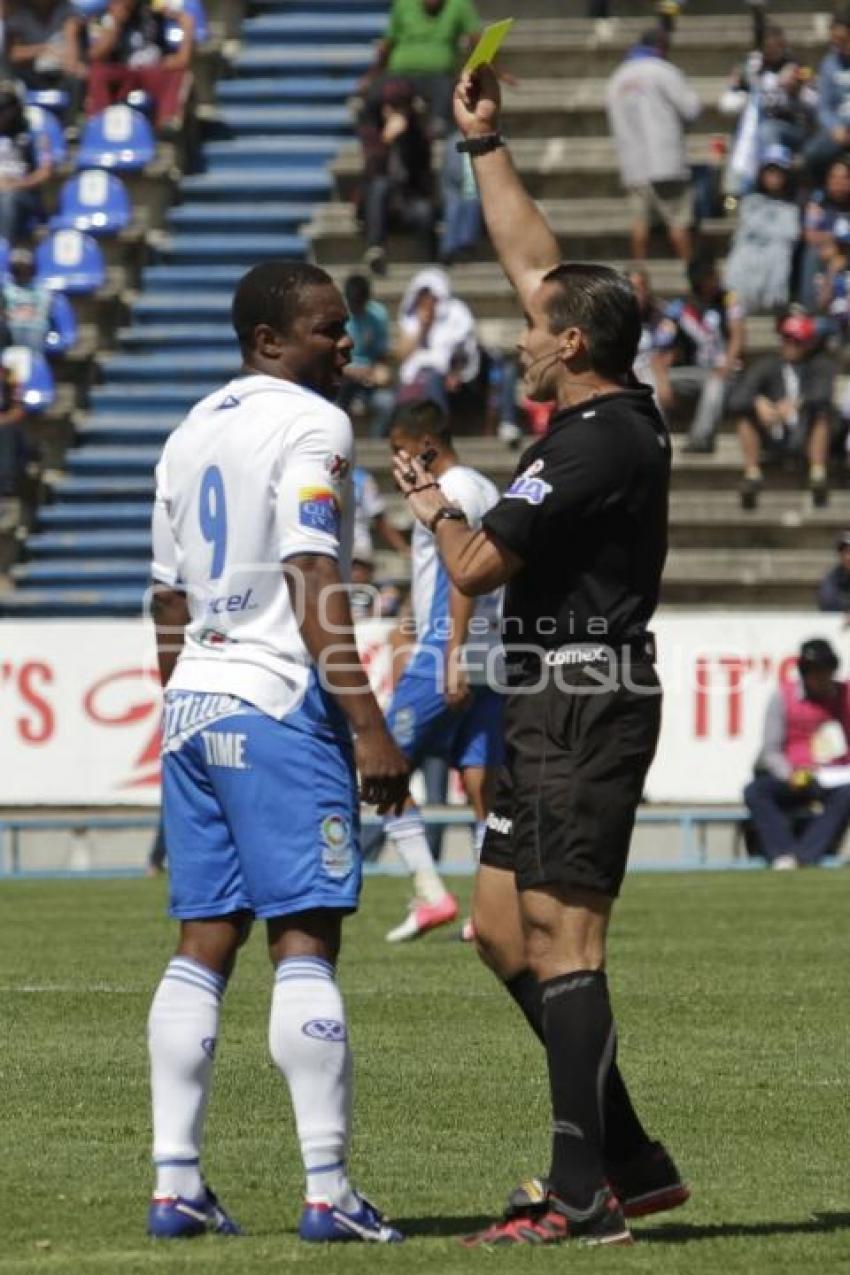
521, 237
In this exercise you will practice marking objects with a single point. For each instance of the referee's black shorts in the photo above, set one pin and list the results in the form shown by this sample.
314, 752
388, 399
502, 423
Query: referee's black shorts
578, 749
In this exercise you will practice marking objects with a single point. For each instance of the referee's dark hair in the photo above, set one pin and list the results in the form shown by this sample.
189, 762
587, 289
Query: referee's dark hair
272, 293
602, 303
423, 417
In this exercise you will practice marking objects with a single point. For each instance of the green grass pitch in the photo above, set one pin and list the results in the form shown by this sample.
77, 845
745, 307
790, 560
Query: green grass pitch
732, 997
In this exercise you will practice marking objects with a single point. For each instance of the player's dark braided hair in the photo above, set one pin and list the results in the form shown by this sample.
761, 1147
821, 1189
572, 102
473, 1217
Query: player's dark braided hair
272, 293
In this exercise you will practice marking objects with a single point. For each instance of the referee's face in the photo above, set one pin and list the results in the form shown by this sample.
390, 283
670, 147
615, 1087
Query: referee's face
541, 351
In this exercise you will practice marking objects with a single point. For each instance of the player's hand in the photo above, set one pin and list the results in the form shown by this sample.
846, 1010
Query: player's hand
456, 693
383, 769
421, 491
478, 102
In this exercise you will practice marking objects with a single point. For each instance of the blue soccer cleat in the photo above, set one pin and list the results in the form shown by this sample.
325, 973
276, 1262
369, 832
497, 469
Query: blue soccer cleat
172, 1217
322, 1223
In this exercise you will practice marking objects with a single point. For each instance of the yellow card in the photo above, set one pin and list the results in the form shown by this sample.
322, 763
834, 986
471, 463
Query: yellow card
489, 44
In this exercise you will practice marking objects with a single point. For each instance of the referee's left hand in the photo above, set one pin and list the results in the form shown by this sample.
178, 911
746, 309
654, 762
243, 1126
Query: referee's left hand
418, 487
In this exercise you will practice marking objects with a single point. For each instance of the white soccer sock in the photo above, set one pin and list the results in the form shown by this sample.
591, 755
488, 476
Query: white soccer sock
478, 831
407, 833
182, 1034
308, 1041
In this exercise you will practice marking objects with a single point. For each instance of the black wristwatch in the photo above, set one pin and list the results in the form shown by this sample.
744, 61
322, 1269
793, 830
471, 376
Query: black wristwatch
446, 511
480, 145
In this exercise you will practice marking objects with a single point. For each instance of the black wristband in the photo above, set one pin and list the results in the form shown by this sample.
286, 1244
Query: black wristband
480, 145
446, 511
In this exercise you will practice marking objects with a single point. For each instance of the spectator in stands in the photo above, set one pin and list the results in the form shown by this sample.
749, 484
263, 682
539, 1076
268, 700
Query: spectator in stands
773, 97
25, 166
438, 350
26, 303
651, 314
424, 42
698, 348
834, 588
799, 801
821, 213
650, 104
833, 114
783, 402
460, 202
368, 378
44, 48
13, 446
758, 270
399, 184
129, 51
832, 282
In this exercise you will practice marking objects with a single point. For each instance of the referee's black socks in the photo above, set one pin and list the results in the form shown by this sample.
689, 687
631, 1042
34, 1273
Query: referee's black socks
624, 1135
578, 1030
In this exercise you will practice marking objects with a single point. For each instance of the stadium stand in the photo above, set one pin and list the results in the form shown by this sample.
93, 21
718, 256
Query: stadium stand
278, 176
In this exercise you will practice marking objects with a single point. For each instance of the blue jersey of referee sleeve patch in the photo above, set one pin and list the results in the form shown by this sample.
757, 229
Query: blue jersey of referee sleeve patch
318, 509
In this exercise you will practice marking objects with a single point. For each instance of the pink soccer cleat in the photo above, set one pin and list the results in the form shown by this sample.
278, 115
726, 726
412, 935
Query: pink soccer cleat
423, 917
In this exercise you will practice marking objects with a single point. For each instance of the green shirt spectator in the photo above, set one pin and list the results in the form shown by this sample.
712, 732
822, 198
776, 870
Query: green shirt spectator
424, 38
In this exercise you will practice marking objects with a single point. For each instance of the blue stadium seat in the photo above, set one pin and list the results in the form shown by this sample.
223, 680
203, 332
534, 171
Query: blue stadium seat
118, 138
54, 100
97, 515
90, 8
94, 201
32, 375
195, 10
64, 330
69, 261
5, 249
72, 602
45, 126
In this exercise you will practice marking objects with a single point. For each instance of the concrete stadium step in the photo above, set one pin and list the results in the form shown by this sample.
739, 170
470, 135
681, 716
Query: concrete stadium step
247, 122
189, 337
696, 576
553, 167
591, 230
192, 279
118, 462
245, 217
89, 544
297, 184
299, 91
702, 47
73, 602
140, 372
299, 151
73, 571
154, 400
640, 11
246, 249
297, 59
73, 491
95, 515
307, 7
196, 309
313, 28
129, 430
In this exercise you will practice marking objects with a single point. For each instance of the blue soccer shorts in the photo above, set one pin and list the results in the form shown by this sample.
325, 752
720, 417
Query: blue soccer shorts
423, 725
259, 815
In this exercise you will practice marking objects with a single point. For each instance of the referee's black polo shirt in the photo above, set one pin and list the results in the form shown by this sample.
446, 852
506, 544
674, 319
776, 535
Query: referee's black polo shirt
586, 512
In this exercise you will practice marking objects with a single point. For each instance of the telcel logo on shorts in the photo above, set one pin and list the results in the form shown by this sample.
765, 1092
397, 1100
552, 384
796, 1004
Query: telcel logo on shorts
577, 655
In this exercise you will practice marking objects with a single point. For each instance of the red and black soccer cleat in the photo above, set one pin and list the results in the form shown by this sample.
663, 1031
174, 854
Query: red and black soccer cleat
536, 1216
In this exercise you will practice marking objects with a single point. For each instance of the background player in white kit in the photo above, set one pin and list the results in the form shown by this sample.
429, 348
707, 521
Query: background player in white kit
252, 539
444, 704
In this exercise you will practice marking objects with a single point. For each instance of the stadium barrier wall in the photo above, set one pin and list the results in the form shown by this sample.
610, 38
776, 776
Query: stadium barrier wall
81, 701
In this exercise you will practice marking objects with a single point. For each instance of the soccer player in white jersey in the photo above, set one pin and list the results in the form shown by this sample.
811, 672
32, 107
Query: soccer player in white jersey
251, 542
444, 703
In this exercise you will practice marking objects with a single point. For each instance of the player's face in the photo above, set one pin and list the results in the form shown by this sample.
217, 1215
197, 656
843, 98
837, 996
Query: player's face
539, 350
320, 345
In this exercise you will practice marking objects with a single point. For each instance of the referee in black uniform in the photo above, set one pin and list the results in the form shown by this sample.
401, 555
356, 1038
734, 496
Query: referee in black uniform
579, 538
